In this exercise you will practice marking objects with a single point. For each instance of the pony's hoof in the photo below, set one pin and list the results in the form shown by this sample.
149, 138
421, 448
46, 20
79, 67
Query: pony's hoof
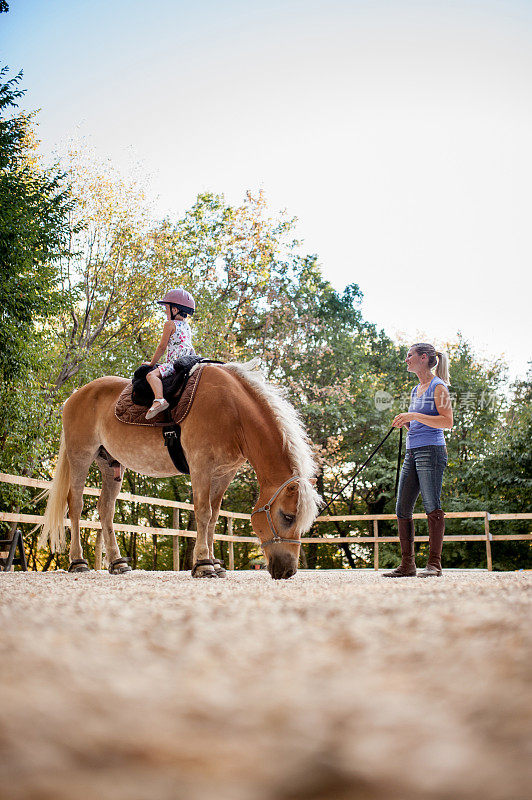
219, 568
79, 565
119, 566
204, 568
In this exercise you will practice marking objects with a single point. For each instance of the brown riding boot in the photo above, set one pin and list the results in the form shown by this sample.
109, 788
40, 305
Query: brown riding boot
436, 520
407, 567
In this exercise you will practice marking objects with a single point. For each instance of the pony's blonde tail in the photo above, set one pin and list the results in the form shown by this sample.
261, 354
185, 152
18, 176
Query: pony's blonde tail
53, 527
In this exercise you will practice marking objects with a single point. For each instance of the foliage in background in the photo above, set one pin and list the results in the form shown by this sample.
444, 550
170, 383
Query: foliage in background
34, 208
78, 301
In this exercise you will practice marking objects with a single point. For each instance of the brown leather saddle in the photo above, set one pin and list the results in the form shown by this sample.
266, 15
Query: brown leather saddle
168, 421
132, 414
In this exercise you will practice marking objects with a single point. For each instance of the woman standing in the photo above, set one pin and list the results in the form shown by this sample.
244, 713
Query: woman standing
428, 415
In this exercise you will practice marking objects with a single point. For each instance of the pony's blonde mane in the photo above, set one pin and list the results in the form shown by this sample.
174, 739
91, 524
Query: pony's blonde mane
294, 436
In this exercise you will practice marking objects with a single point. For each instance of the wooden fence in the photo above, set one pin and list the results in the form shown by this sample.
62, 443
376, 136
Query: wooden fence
175, 531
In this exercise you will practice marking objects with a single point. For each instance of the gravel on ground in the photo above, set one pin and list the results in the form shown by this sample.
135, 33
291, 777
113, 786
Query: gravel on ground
333, 684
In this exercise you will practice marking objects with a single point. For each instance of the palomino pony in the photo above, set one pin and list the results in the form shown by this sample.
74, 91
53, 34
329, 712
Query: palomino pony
236, 416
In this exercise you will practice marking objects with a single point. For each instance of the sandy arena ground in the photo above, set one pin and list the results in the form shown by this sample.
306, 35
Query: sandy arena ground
329, 685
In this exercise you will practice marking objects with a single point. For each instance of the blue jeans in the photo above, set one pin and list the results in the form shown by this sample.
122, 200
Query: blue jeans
422, 472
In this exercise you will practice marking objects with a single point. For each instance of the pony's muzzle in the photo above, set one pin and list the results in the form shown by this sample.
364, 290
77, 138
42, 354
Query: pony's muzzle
282, 565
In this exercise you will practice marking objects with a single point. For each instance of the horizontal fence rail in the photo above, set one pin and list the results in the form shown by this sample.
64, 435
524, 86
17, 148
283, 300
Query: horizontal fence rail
176, 531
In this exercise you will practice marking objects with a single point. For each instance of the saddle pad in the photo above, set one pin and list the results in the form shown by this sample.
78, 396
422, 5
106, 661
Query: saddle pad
127, 411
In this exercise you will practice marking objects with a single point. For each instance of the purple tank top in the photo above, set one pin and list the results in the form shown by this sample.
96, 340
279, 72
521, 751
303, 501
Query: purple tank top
420, 435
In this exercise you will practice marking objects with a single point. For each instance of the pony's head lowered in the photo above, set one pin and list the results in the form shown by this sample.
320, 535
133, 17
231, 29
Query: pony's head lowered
294, 508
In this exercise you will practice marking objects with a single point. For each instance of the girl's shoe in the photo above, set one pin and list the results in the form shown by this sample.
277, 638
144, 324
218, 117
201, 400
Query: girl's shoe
162, 405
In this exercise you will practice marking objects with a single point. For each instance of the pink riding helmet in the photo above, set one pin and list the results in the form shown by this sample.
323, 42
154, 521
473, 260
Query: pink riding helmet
180, 298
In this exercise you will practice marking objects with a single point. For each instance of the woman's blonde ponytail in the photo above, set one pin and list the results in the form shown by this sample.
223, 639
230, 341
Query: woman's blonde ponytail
442, 369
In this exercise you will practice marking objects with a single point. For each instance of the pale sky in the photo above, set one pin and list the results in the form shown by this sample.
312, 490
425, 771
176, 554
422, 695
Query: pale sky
399, 133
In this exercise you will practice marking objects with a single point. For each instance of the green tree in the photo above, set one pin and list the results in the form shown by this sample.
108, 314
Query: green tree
257, 294
34, 208
35, 204
506, 476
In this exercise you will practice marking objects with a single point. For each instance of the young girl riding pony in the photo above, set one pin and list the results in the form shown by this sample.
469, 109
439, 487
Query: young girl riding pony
176, 338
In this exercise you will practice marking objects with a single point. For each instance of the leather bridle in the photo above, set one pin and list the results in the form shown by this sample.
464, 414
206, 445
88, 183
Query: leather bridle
266, 508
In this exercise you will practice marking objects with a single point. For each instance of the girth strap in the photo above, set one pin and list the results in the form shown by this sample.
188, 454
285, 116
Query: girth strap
172, 441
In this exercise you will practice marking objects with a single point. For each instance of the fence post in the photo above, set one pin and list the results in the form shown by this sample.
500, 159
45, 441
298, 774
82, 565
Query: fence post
231, 548
154, 540
98, 551
488, 540
176, 523
376, 545
4, 556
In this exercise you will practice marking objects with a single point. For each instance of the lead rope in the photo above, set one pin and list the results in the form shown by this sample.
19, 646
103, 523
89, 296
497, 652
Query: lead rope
399, 453
266, 508
366, 462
